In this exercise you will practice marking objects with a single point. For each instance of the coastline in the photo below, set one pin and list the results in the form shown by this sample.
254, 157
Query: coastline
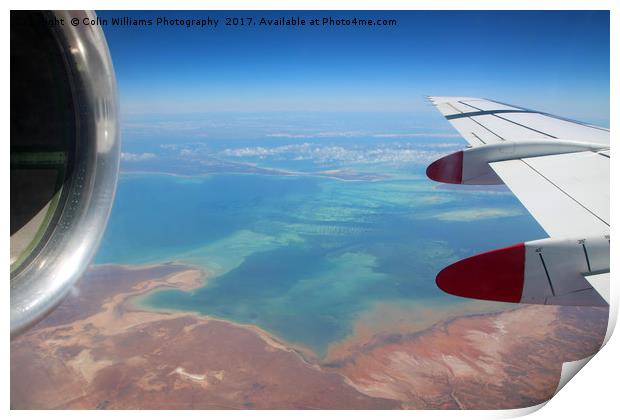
83, 359
101, 340
339, 175
193, 278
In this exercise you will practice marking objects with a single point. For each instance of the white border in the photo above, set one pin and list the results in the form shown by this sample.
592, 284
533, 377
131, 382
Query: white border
592, 395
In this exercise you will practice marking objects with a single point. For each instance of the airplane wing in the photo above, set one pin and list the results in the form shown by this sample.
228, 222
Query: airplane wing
559, 169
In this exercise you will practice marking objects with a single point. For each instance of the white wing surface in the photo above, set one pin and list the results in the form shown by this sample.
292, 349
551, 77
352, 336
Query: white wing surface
559, 170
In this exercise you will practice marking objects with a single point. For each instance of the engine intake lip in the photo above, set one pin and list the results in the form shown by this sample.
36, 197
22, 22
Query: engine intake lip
42, 280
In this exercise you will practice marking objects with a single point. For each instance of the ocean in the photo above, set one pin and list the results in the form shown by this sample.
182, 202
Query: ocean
306, 250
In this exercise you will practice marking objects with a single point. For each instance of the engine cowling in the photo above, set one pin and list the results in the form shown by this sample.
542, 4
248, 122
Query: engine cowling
471, 166
65, 150
548, 271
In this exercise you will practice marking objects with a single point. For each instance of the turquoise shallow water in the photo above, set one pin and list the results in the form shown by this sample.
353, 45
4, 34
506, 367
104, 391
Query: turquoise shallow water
285, 246
303, 256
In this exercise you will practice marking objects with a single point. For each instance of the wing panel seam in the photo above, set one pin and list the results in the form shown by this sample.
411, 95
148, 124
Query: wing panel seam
565, 193
513, 122
525, 126
552, 116
488, 129
454, 108
478, 137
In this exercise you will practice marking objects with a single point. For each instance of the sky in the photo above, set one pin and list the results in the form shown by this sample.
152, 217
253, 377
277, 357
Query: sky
554, 61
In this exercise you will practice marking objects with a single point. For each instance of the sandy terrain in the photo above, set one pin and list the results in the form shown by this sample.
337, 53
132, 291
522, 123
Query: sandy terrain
505, 360
119, 356
98, 350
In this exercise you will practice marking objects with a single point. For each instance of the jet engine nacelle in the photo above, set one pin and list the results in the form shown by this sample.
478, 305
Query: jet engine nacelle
547, 271
471, 166
65, 150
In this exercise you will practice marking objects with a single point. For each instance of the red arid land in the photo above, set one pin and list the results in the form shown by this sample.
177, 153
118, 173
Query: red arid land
101, 350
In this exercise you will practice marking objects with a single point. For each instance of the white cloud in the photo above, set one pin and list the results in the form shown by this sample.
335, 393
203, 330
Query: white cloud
186, 152
136, 157
414, 135
319, 135
321, 153
337, 134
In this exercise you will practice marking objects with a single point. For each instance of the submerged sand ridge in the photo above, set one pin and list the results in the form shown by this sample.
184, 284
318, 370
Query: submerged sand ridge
100, 350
